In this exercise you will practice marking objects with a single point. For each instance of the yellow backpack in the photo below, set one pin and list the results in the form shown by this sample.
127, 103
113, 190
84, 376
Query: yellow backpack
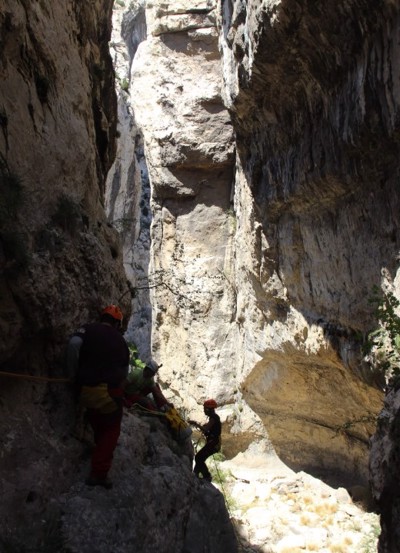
177, 424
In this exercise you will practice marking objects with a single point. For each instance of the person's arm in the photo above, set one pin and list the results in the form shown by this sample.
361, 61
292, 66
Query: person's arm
206, 428
159, 398
194, 423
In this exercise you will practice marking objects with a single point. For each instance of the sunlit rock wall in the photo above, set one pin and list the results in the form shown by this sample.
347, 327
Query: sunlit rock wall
189, 147
272, 214
127, 187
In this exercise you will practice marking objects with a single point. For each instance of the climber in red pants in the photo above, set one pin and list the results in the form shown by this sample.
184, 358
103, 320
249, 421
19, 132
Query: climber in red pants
98, 357
106, 430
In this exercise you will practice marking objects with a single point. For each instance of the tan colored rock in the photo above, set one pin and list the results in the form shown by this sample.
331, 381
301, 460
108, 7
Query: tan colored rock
188, 143
247, 306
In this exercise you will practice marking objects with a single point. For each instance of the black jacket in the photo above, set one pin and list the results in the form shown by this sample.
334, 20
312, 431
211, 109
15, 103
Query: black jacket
103, 355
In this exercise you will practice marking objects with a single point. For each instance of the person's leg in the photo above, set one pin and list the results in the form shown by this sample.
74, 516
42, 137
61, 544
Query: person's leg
200, 461
141, 400
106, 429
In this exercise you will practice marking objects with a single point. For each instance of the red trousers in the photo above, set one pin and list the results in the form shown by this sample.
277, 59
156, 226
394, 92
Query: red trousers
106, 430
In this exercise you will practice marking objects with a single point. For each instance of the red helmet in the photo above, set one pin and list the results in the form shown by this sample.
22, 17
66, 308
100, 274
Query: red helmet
210, 404
114, 311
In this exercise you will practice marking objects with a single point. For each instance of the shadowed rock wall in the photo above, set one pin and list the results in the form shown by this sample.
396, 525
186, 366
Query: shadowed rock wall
316, 117
314, 92
384, 471
61, 261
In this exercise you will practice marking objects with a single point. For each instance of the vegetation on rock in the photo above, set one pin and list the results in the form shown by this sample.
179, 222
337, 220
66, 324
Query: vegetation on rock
382, 347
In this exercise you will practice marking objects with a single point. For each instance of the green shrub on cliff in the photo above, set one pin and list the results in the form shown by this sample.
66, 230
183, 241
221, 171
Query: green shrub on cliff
383, 344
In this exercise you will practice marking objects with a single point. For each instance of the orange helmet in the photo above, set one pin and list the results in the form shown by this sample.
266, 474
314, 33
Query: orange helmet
210, 404
114, 311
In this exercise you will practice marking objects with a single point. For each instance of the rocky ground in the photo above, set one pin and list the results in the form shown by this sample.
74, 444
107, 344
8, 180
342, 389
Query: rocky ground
276, 510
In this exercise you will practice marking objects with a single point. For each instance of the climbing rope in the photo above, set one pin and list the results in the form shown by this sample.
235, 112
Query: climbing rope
32, 377
138, 407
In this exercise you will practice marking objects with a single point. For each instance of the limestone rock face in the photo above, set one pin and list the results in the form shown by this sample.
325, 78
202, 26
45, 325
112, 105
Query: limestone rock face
261, 124
314, 97
156, 503
303, 109
310, 94
189, 148
61, 261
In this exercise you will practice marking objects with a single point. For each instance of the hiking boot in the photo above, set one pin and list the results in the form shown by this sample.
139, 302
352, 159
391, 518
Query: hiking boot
95, 481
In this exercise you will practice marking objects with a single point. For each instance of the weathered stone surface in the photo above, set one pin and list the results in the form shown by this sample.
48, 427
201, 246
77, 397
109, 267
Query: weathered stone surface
61, 261
267, 235
296, 400
314, 97
188, 141
308, 221
260, 276
156, 504
312, 176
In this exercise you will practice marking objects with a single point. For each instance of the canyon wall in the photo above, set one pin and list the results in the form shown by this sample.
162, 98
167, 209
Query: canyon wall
61, 260
314, 96
314, 92
269, 133
255, 189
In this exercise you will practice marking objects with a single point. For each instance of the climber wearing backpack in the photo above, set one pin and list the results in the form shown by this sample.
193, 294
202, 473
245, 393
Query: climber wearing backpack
98, 359
212, 432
